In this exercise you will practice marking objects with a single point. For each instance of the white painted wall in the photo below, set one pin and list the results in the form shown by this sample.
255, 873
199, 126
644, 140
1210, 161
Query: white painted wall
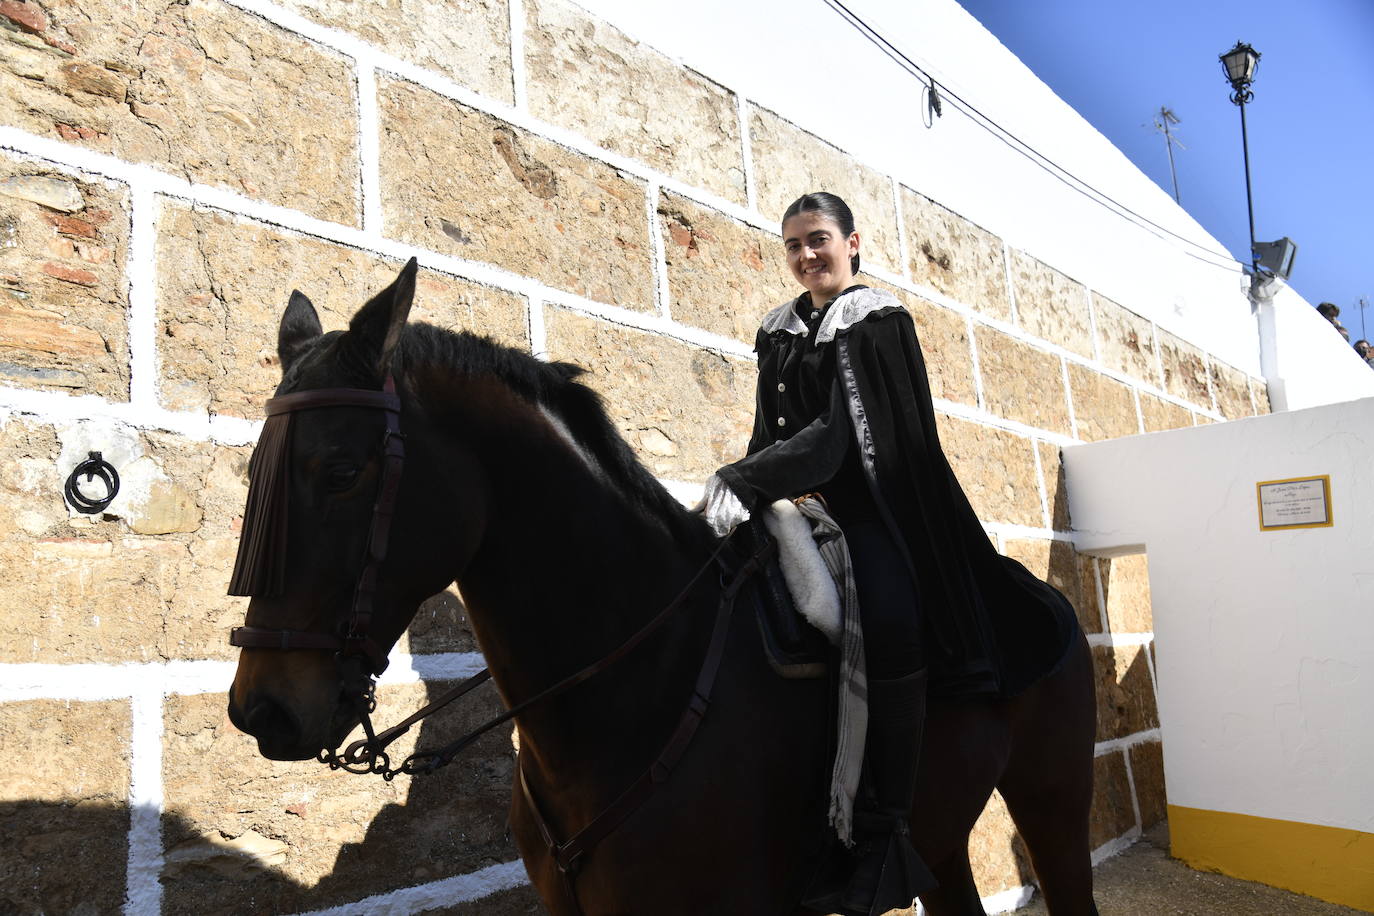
1304, 357
1265, 639
804, 62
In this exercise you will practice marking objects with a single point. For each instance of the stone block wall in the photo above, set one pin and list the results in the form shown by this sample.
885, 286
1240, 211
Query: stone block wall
170, 171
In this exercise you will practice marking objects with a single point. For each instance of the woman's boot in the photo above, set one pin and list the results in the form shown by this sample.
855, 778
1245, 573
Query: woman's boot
889, 874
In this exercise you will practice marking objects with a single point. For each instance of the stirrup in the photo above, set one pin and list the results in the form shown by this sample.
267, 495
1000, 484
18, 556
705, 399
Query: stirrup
899, 879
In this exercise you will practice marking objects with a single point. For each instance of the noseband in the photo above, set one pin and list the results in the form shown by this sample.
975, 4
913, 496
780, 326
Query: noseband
258, 573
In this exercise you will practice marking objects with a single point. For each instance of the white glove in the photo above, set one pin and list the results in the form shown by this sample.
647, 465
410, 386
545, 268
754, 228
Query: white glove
721, 507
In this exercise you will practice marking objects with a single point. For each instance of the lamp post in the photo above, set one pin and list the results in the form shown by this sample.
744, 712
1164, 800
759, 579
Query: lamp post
1240, 63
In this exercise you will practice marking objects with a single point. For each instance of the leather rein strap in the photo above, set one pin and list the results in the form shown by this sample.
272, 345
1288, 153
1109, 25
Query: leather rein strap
569, 854
356, 640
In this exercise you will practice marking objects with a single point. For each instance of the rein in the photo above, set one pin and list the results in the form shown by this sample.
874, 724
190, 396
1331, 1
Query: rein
368, 755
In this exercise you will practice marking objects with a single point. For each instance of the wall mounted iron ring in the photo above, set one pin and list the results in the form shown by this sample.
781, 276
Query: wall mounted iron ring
94, 466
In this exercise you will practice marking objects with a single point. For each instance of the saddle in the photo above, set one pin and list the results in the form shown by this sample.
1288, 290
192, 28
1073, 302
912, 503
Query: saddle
793, 646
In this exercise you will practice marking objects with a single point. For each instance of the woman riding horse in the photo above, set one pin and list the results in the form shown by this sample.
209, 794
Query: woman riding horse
844, 409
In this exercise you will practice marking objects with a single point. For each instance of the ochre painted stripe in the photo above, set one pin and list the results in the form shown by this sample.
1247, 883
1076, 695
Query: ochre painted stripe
1330, 863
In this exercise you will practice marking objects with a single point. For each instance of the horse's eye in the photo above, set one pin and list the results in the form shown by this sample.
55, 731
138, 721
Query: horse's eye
340, 477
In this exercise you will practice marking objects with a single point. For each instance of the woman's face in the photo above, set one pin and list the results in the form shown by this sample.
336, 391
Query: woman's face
818, 253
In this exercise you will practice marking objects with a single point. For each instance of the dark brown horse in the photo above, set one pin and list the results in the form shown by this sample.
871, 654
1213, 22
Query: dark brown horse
516, 485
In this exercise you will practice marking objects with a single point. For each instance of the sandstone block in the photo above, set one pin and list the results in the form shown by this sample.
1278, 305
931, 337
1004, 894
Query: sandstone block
1125, 341
998, 855
1232, 390
440, 625
68, 816
467, 41
1185, 370
1112, 812
201, 89
297, 837
1103, 408
464, 183
956, 257
63, 293
785, 155
1160, 414
225, 283
1056, 488
1126, 585
1021, 382
945, 345
1147, 772
74, 588
996, 469
1050, 305
685, 411
1125, 691
1060, 565
722, 276
587, 76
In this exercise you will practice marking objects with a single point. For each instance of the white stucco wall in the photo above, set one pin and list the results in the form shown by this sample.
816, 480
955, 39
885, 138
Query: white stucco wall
818, 71
1304, 357
1265, 639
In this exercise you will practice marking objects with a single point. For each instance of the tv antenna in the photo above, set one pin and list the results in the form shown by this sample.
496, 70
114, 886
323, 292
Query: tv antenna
1163, 121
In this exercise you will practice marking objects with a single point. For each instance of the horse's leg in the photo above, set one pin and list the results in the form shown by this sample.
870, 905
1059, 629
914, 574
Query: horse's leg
964, 753
1048, 782
957, 894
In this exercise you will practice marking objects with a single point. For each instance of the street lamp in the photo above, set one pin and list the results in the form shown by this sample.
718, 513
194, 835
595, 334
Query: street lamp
1240, 63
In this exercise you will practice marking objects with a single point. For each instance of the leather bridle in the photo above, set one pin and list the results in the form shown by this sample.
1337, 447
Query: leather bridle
355, 640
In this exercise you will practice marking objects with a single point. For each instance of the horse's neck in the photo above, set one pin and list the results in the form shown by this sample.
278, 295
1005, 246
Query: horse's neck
567, 571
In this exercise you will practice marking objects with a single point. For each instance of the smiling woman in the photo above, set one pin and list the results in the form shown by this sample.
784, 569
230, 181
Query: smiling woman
844, 409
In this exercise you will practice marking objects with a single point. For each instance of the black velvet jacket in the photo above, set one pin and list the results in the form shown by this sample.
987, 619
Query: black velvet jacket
844, 408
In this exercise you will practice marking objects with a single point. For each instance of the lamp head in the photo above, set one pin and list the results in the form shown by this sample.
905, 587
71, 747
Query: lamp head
1240, 64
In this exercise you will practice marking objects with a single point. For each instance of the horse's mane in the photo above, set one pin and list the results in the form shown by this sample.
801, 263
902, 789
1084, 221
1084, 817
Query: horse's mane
555, 387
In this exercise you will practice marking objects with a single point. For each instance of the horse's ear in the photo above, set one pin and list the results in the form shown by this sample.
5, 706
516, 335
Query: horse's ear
377, 326
300, 325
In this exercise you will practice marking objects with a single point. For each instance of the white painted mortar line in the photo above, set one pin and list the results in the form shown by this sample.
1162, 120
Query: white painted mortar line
1148, 736
90, 682
1139, 411
1068, 396
1135, 801
444, 893
1008, 530
518, 74
1115, 847
1120, 640
1044, 487
751, 191
538, 331
658, 252
1011, 286
977, 366
1092, 323
983, 418
142, 268
1008, 900
369, 147
1159, 356
902, 253
145, 856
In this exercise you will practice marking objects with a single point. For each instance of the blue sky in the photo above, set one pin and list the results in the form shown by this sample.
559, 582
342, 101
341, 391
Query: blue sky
1311, 123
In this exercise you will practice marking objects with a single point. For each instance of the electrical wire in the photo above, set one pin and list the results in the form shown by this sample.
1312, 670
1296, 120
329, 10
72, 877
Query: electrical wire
1045, 163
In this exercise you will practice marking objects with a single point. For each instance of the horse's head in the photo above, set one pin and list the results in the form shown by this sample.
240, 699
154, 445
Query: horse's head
339, 547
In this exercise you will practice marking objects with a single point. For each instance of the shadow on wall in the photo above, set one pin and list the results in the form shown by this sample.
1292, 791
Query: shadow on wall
450, 823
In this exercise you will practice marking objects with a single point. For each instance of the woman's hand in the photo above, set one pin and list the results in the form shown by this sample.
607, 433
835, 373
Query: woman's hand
720, 507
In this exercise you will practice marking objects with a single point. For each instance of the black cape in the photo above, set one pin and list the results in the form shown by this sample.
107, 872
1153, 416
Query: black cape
844, 408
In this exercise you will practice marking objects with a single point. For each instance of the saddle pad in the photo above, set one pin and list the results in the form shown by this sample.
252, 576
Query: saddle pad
809, 582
